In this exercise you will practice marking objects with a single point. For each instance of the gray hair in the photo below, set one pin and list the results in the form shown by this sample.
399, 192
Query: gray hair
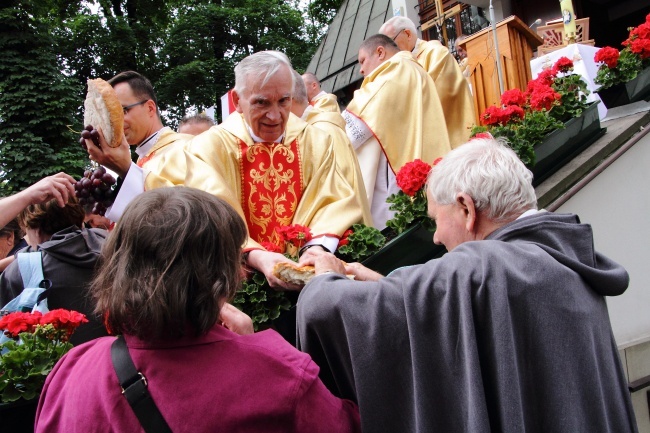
491, 173
398, 24
263, 64
299, 89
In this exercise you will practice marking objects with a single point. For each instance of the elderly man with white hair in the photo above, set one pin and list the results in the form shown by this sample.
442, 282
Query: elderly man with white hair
272, 167
453, 90
507, 332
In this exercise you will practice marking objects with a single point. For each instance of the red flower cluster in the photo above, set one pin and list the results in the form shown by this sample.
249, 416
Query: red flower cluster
494, 115
270, 246
640, 32
545, 78
563, 64
344, 238
543, 97
513, 97
412, 176
296, 234
63, 320
608, 56
641, 47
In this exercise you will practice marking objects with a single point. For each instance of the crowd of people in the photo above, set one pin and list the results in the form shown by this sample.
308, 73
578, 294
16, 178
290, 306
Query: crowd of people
507, 332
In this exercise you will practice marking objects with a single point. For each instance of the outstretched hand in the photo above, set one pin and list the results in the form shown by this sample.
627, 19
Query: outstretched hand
265, 261
117, 159
327, 262
59, 187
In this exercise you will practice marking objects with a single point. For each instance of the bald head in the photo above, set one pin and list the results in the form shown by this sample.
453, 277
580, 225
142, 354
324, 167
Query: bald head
402, 31
300, 99
312, 84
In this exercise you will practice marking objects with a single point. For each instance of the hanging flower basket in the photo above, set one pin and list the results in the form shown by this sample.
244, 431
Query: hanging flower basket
561, 145
634, 90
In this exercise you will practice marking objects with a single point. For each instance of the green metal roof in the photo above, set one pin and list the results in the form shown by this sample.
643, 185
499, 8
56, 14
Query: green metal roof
335, 61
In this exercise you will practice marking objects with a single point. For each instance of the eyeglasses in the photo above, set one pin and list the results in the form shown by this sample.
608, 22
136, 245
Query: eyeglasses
128, 107
395, 37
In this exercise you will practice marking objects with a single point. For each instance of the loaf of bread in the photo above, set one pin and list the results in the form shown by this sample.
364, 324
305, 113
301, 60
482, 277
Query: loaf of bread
103, 111
292, 273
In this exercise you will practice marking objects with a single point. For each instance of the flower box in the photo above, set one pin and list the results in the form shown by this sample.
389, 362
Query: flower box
625, 93
18, 416
562, 145
413, 247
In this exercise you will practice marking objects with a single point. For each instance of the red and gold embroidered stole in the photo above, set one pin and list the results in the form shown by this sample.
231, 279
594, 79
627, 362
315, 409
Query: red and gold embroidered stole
271, 176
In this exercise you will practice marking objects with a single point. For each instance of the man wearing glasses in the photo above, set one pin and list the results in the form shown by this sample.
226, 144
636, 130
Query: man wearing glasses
142, 125
453, 89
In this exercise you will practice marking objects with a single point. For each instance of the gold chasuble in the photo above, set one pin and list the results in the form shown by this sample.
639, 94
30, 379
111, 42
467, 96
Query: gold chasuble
326, 102
453, 89
346, 159
268, 184
399, 103
158, 154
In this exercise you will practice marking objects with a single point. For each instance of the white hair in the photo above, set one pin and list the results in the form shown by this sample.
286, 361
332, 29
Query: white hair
398, 24
299, 89
490, 173
261, 65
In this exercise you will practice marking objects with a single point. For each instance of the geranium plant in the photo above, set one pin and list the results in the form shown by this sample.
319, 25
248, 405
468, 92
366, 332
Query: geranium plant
359, 243
525, 118
37, 341
256, 297
618, 67
410, 203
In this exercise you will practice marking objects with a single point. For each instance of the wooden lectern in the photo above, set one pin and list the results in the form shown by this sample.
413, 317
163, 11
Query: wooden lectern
516, 45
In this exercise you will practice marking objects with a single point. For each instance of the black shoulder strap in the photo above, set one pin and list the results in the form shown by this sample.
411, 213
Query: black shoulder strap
134, 388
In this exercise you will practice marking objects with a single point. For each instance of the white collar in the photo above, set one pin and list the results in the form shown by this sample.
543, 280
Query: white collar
143, 148
530, 212
257, 139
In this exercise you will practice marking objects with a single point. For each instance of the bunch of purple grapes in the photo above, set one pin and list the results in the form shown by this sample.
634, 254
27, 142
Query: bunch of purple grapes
95, 189
89, 133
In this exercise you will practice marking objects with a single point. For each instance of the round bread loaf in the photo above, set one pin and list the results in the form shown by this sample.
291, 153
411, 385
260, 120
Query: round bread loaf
103, 110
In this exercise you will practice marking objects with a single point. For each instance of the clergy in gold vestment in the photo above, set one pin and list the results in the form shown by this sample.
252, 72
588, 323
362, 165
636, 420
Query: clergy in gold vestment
318, 98
394, 118
333, 124
272, 167
453, 89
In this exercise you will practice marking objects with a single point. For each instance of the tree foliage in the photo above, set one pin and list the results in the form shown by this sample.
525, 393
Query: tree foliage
187, 48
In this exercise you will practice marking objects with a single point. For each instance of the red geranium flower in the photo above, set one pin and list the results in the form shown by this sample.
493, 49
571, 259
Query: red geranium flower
412, 176
563, 64
512, 112
640, 32
641, 47
546, 78
513, 97
15, 323
296, 234
544, 97
608, 56
270, 246
344, 238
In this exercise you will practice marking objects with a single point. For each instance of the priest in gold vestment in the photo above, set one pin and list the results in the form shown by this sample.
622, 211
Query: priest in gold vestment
318, 98
453, 89
272, 167
333, 124
394, 118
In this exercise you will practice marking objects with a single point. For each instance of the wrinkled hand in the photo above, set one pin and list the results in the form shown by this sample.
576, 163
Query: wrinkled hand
265, 261
59, 186
117, 159
235, 320
324, 261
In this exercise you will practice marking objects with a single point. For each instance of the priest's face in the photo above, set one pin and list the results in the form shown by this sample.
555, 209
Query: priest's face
451, 223
266, 106
140, 115
370, 60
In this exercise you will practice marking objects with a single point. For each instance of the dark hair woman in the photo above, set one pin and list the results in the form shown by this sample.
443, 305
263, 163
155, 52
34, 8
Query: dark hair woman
168, 270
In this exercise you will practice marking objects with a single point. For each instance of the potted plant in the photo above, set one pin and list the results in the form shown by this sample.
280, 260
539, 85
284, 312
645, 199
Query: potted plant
34, 344
532, 121
624, 75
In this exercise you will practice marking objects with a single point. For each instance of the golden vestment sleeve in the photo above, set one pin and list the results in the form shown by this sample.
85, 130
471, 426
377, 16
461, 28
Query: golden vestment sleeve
453, 89
328, 204
165, 162
346, 159
399, 103
327, 103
